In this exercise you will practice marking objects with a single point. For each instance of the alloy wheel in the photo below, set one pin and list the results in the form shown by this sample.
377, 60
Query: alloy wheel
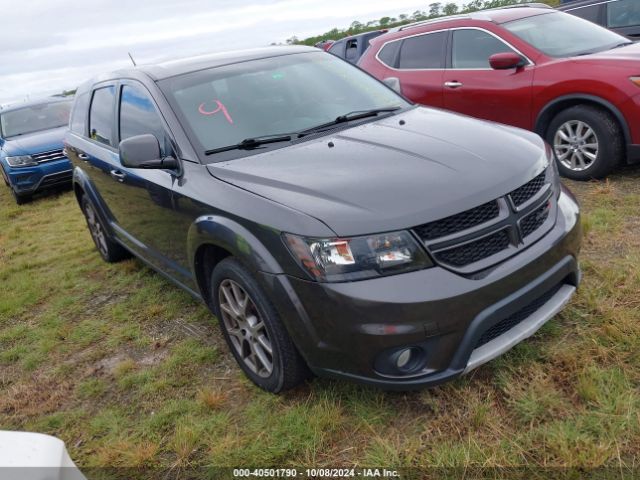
576, 145
246, 328
95, 228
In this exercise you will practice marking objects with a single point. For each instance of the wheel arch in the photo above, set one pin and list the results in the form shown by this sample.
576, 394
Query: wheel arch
559, 104
211, 239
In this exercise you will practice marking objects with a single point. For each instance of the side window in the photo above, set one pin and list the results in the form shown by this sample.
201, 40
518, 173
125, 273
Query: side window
78, 122
388, 54
101, 115
337, 49
352, 50
138, 116
472, 48
624, 13
423, 51
591, 13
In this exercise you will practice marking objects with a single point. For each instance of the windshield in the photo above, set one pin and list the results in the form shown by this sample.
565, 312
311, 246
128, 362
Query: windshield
35, 118
562, 35
225, 105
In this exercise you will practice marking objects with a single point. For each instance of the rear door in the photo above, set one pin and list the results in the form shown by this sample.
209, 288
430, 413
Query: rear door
472, 87
623, 16
418, 61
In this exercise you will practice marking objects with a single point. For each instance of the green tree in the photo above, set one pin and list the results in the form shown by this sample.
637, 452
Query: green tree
434, 9
384, 21
450, 9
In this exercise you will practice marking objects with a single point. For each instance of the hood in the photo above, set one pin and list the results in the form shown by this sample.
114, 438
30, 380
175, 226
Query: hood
384, 176
35, 142
625, 57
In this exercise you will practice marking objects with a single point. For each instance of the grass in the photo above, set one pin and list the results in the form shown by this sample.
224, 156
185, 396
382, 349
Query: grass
130, 371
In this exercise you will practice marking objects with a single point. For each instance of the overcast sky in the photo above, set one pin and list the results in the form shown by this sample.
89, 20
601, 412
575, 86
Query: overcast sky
50, 45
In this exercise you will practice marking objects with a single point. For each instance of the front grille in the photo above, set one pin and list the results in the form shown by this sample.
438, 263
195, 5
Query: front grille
459, 222
534, 221
57, 179
528, 190
48, 156
511, 321
475, 251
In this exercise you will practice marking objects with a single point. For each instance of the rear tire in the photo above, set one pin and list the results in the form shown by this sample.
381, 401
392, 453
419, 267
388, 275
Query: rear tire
109, 250
253, 330
587, 141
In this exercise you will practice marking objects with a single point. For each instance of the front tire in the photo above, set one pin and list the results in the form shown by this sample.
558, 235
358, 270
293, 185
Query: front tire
109, 250
252, 328
587, 141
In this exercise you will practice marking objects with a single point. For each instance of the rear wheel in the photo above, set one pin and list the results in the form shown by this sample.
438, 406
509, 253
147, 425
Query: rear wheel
109, 250
587, 141
252, 328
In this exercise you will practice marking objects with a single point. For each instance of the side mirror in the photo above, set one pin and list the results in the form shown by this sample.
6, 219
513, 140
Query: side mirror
506, 60
393, 83
143, 151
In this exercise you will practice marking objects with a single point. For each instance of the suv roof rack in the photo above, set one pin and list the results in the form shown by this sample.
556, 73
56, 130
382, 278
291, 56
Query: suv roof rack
432, 20
520, 5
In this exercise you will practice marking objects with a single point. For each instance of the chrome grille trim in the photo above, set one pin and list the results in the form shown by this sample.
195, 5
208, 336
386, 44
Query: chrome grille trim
48, 156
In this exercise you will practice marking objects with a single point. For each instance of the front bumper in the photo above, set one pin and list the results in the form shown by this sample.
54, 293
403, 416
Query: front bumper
344, 329
28, 180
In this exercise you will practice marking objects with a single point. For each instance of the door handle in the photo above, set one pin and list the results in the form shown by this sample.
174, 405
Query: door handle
84, 157
118, 175
453, 84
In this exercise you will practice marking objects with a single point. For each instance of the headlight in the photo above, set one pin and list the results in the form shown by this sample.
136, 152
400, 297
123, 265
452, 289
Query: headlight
21, 161
357, 258
635, 80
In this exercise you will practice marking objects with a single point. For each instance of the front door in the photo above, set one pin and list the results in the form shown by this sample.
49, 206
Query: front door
472, 87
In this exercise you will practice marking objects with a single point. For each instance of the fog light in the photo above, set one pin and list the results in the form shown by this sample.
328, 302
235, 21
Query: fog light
403, 359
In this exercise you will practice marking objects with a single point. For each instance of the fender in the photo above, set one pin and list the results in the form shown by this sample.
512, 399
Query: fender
227, 234
542, 120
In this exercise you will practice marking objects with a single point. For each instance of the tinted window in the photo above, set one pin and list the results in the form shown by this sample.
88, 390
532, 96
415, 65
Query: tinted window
35, 118
138, 115
472, 48
424, 51
590, 13
79, 117
388, 54
625, 13
101, 115
352, 50
337, 49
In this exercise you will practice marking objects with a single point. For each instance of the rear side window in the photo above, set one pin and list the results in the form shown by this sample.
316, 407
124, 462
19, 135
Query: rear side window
352, 50
138, 116
423, 51
337, 49
78, 122
591, 13
101, 115
472, 48
624, 13
388, 54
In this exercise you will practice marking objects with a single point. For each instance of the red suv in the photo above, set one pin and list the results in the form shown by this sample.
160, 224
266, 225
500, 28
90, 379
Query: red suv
569, 80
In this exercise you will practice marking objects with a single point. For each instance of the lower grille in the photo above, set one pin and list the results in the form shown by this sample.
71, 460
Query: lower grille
476, 250
57, 179
511, 321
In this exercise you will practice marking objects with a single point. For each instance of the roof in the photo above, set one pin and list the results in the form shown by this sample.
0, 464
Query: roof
31, 103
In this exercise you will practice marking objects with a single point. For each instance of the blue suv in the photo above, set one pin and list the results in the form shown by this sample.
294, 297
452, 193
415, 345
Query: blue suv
31, 150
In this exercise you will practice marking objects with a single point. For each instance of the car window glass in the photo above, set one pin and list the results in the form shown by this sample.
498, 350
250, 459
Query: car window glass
337, 49
352, 50
423, 51
623, 13
138, 116
388, 54
101, 115
590, 12
79, 117
34, 118
472, 48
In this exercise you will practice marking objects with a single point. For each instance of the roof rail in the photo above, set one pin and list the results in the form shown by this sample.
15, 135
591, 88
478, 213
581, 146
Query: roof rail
520, 5
432, 20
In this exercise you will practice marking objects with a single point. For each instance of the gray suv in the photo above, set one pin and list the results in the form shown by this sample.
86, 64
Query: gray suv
330, 225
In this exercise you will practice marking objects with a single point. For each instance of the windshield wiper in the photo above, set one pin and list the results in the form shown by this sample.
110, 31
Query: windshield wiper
347, 117
249, 143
